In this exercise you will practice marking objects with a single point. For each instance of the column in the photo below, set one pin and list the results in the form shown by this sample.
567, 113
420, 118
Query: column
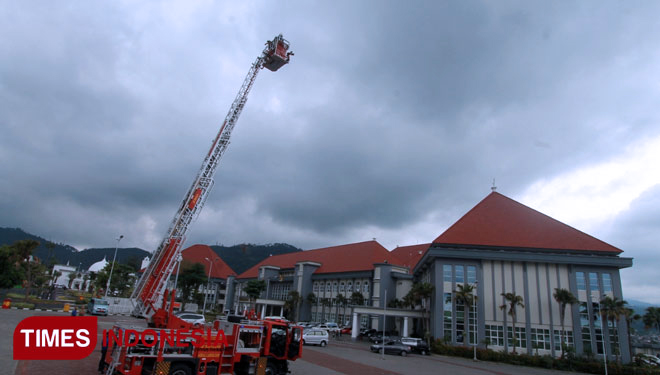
405, 326
281, 310
355, 330
263, 311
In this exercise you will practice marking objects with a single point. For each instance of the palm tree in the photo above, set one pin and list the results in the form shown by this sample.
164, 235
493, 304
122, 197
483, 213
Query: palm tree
611, 309
512, 302
357, 298
465, 296
652, 318
293, 303
341, 301
564, 297
630, 317
421, 293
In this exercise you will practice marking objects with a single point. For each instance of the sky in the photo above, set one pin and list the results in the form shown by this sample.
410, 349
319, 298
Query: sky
392, 120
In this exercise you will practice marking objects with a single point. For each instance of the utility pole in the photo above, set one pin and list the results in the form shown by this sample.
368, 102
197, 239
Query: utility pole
112, 267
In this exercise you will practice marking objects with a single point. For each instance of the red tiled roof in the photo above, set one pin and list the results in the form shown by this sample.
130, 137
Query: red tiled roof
411, 255
500, 221
359, 256
197, 253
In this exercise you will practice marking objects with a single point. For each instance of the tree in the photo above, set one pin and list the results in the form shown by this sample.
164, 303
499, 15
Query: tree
253, 289
630, 317
357, 298
191, 277
33, 269
564, 297
421, 293
612, 309
513, 301
464, 294
341, 301
651, 318
292, 304
11, 274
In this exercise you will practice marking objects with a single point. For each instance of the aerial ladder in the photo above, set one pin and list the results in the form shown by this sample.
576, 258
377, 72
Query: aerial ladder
150, 293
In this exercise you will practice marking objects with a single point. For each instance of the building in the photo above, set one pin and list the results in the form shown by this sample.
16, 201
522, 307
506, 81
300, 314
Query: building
501, 246
216, 270
331, 282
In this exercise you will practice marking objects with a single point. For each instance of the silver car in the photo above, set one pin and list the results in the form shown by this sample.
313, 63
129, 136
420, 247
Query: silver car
315, 337
197, 320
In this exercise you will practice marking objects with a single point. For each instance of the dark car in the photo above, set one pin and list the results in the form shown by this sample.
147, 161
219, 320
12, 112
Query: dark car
377, 339
392, 347
418, 345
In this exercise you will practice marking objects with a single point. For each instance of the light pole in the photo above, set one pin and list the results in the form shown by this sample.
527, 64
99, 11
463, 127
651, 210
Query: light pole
602, 334
382, 353
476, 317
112, 267
208, 283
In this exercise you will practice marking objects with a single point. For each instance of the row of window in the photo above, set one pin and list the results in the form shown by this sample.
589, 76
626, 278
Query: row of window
457, 272
280, 291
605, 280
539, 337
341, 286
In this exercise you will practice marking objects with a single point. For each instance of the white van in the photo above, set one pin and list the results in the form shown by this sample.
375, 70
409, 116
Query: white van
315, 336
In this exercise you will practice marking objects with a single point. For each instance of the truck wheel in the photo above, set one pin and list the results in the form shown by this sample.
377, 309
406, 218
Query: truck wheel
180, 369
270, 369
323, 343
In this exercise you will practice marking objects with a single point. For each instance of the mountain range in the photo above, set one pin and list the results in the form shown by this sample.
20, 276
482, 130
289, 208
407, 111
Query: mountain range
238, 257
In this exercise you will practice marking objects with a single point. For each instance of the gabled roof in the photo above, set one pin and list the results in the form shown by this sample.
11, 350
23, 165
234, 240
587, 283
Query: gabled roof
411, 255
353, 257
197, 253
500, 221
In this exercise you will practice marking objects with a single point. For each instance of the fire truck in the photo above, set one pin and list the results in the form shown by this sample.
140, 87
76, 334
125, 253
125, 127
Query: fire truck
169, 345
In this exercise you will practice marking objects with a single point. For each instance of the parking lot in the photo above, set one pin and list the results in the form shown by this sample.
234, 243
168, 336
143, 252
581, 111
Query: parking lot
341, 356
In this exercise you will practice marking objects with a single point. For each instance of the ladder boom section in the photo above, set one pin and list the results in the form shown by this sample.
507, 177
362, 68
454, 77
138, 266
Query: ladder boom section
149, 290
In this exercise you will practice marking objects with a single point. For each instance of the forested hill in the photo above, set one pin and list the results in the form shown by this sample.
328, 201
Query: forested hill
242, 257
238, 257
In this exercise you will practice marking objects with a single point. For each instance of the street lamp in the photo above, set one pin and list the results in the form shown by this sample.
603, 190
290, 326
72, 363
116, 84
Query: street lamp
112, 267
208, 282
476, 318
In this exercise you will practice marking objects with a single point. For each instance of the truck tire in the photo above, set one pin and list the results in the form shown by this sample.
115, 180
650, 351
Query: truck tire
180, 369
270, 369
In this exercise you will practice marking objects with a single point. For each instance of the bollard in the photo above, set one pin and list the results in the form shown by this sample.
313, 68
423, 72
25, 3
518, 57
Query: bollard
6, 303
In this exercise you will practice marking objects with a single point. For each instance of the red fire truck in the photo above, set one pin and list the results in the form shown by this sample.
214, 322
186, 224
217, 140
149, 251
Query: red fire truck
170, 345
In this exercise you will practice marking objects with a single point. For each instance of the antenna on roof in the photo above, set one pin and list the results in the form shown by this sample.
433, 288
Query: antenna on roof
374, 238
493, 188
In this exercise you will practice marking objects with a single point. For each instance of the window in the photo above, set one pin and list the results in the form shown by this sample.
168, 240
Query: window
342, 286
316, 287
521, 337
349, 287
472, 274
568, 339
540, 338
607, 283
584, 324
598, 328
357, 286
460, 274
447, 316
593, 281
334, 286
446, 272
365, 287
495, 334
581, 283
328, 286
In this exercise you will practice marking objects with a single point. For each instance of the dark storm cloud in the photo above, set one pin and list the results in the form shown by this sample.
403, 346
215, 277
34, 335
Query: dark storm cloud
389, 113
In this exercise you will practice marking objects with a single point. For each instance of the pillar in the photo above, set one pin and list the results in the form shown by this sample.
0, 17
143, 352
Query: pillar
355, 330
263, 311
405, 326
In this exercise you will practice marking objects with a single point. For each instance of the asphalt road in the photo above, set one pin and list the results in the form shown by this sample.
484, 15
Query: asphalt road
341, 356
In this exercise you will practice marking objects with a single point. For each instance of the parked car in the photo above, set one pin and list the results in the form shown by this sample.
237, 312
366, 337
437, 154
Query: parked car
196, 319
417, 345
346, 330
98, 306
648, 359
368, 332
392, 347
316, 336
332, 328
378, 338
